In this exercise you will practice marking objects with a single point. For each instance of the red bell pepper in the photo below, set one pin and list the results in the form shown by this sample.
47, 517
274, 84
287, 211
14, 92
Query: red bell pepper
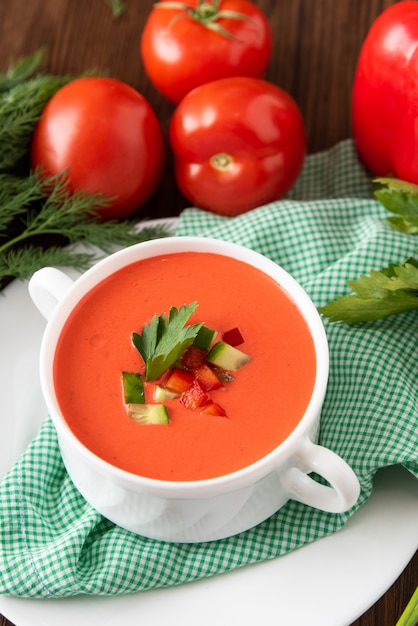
207, 378
212, 408
233, 337
384, 97
193, 357
179, 381
194, 397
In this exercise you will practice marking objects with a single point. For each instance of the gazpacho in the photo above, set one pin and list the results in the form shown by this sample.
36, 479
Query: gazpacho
184, 366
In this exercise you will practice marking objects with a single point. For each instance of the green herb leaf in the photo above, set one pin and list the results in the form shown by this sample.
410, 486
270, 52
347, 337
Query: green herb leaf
118, 7
401, 198
391, 291
410, 615
27, 219
21, 71
39, 228
164, 340
20, 109
20, 263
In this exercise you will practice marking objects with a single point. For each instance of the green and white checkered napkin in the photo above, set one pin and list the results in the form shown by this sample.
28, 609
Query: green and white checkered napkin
52, 543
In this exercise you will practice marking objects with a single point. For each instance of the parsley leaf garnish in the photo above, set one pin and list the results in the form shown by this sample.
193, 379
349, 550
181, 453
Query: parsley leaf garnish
387, 292
164, 340
401, 198
393, 289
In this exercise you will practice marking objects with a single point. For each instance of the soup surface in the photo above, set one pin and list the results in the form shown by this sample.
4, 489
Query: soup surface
263, 404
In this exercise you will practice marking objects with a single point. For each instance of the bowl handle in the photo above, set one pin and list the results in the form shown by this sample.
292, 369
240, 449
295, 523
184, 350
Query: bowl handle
343, 490
47, 287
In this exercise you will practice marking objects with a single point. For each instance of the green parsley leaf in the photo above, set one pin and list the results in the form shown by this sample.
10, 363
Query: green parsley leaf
393, 289
164, 340
390, 291
401, 198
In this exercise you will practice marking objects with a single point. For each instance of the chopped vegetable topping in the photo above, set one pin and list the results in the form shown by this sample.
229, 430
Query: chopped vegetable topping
133, 388
207, 377
204, 338
211, 408
193, 357
163, 341
179, 381
148, 413
224, 376
226, 356
194, 397
162, 394
183, 366
233, 337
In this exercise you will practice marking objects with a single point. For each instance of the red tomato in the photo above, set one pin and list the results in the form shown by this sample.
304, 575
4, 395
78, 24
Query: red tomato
238, 143
385, 90
181, 49
108, 138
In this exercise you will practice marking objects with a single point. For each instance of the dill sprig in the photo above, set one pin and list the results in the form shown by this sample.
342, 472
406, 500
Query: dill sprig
23, 96
69, 218
22, 70
24, 92
20, 110
41, 222
21, 262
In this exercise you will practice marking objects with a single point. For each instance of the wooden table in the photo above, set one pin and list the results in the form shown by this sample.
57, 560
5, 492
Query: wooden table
315, 48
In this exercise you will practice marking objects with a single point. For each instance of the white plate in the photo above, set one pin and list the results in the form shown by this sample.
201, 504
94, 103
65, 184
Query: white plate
328, 583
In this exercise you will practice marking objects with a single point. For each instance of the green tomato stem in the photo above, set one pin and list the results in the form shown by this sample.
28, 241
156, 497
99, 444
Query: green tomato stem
206, 13
208, 8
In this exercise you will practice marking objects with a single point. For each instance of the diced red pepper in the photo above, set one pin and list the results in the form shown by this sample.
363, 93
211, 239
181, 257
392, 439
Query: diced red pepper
207, 377
233, 337
194, 397
161, 380
212, 408
179, 381
193, 357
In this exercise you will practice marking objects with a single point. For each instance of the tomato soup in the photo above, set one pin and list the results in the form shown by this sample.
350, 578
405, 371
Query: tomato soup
263, 404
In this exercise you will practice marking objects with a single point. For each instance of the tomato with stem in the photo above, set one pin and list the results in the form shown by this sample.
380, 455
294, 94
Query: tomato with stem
185, 44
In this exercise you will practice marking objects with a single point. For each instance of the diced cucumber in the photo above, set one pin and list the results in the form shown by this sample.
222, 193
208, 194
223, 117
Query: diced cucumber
148, 413
133, 388
204, 338
226, 356
161, 394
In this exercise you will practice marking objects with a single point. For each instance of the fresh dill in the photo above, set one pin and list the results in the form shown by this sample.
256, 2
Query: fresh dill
23, 96
41, 222
28, 219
